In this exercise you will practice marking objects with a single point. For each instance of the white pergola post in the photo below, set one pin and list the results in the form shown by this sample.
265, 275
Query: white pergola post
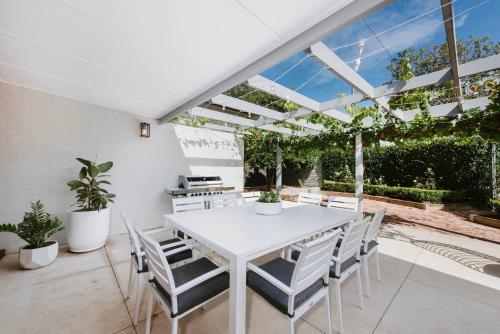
279, 168
359, 172
494, 171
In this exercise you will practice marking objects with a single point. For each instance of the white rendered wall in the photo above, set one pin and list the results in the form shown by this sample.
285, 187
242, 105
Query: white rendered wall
42, 134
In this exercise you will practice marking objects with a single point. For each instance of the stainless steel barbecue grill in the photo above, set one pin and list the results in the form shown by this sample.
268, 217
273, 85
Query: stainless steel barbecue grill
195, 185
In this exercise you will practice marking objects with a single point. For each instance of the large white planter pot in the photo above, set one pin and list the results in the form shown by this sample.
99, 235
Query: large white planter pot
32, 258
88, 230
268, 209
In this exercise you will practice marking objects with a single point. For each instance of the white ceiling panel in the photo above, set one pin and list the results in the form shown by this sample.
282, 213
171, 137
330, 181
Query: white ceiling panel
36, 59
44, 83
154, 54
288, 18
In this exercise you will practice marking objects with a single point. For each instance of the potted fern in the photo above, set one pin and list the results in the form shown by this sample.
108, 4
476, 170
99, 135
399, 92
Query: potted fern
269, 203
37, 226
89, 225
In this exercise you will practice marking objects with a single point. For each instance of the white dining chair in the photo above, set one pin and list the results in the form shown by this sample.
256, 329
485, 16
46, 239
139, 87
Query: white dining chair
224, 200
341, 202
138, 264
294, 288
186, 204
310, 198
250, 196
345, 262
181, 290
370, 247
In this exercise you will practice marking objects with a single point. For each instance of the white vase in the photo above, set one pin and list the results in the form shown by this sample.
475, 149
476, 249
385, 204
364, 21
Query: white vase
268, 209
32, 258
88, 230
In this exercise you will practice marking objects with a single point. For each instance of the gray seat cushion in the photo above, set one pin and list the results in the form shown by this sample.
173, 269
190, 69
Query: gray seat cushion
343, 267
282, 270
181, 235
371, 244
201, 292
184, 255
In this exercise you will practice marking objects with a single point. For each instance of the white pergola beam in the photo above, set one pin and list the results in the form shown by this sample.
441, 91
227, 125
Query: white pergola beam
447, 109
285, 131
245, 106
336, 21
235, 103
276, 89
334, 113
305, 124
473, 67
335, 64
223, 117
286, 93
449, 25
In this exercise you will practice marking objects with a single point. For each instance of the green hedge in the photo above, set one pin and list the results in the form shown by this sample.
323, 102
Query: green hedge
409, 194
445, 163
495, 204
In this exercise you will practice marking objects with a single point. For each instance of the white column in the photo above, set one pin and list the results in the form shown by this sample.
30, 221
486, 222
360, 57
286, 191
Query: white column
359, 172
279, 165
494, 170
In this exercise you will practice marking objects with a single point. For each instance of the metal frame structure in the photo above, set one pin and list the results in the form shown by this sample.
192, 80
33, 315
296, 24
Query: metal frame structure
212, 103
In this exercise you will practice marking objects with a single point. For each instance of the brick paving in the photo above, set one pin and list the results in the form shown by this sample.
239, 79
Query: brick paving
453, 221
450, 220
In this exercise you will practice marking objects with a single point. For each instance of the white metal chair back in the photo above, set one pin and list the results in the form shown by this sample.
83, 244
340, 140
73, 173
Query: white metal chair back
251, 196
223, 200
184, 204
134, 238
340, 202
310, 198
158, 266
351, 243
314, 261
374, 226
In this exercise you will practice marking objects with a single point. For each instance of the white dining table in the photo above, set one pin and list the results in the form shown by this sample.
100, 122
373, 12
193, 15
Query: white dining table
240, 235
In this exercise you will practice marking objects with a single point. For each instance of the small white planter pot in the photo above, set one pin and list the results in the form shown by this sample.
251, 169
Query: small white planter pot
88, 230
268, 209
32, 258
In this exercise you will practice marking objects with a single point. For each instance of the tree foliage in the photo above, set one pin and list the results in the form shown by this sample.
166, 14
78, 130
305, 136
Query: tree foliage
37, 226
419, 61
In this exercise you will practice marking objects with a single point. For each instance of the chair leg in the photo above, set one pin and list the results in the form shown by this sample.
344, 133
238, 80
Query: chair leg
377, 265
150, 310
175, 325
130, 277
328, 316
338, 306
360, 287
366, 275
291, 326
138, 297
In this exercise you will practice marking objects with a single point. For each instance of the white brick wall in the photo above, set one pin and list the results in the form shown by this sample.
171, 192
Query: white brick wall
42, 134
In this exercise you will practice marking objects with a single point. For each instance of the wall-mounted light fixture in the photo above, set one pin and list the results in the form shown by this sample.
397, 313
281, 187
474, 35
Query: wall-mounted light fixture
145, 129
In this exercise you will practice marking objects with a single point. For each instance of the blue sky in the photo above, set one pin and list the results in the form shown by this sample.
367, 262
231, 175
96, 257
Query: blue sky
428, 29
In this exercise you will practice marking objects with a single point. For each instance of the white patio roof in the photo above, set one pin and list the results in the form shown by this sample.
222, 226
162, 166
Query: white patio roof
164, 58
145, 57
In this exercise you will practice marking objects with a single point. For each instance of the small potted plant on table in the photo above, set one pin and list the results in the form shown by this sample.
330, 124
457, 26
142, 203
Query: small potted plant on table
37, 226
89, 225
269, 203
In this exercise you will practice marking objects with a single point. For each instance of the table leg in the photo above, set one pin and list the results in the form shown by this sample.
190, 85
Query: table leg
237, 295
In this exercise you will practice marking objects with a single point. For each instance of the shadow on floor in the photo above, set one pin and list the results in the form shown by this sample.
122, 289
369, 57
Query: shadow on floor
474, 260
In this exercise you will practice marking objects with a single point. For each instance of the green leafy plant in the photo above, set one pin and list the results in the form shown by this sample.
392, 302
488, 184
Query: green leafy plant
269, 197
37, 226
90, 196
410, 194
